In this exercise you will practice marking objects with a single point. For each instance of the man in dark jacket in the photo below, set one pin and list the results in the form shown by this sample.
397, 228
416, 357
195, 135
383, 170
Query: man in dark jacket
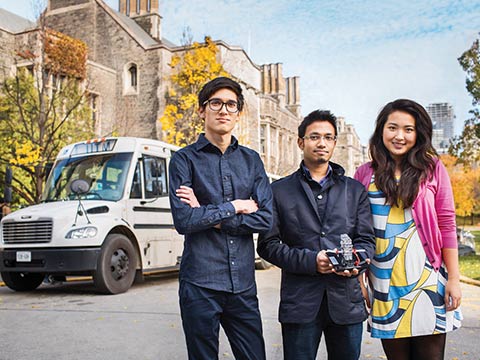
313, 207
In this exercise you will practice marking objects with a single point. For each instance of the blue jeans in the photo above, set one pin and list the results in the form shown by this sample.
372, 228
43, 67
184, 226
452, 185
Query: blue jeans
301, 340
204, 310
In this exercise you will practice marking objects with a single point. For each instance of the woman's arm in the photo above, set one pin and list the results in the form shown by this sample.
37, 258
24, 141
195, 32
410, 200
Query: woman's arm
453, 293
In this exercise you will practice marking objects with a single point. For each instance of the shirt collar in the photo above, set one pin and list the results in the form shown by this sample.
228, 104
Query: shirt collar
203, 142
308, 175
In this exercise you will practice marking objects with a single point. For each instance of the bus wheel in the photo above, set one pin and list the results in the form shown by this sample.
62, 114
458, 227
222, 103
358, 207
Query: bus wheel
19, 281
116, 265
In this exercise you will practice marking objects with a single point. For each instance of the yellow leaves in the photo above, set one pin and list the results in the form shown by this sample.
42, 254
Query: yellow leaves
188, 101
175, 61
27, 154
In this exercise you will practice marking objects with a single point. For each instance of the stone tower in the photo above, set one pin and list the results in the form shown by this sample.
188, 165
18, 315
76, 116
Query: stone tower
145, 13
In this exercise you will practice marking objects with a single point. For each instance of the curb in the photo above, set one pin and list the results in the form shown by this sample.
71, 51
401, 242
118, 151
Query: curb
467, 280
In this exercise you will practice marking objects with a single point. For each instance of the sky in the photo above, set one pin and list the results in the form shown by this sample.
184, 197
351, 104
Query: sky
352, 56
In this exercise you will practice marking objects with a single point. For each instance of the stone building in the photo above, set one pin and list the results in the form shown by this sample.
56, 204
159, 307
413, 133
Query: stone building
128, 76
350, 153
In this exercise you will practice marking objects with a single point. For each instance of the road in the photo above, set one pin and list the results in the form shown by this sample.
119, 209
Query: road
70, 321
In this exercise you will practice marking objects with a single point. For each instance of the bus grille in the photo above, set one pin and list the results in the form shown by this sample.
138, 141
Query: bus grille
27, 232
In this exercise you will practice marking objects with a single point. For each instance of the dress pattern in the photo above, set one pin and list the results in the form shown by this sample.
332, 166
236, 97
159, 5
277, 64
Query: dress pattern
407, 295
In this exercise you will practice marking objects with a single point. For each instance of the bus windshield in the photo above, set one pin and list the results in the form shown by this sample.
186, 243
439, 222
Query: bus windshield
106, 174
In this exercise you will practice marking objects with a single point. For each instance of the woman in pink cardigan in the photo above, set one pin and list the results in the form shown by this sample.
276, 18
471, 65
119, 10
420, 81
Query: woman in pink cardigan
414, 286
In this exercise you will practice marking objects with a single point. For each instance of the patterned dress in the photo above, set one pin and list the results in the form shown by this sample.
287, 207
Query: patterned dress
406, 294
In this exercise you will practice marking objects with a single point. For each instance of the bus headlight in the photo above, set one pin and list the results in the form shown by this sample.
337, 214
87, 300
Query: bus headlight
82, 233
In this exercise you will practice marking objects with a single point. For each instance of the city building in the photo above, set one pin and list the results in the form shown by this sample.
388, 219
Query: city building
443, 119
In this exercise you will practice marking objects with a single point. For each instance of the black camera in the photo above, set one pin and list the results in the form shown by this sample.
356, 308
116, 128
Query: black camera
347, 258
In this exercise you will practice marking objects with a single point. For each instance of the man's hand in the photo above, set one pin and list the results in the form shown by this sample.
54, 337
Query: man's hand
347, 273
187, 196
324, 266
245, 206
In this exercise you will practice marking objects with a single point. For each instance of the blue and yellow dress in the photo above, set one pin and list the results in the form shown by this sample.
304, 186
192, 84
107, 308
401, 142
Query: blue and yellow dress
407, 295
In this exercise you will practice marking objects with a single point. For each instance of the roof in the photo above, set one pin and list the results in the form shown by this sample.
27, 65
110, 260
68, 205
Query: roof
13, 23
136, 30
143, 36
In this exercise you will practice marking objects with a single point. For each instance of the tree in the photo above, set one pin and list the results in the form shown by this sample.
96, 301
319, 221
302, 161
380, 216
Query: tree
192, 69
465, 147
43, 106
465, 186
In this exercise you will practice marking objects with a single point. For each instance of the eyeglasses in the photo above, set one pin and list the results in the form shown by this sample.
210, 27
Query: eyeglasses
217, 104
317, 138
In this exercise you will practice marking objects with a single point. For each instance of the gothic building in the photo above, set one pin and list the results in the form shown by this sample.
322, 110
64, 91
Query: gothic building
128, 76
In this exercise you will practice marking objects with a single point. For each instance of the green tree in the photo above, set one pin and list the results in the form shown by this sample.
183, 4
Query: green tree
465, 147
43, 106
197, 65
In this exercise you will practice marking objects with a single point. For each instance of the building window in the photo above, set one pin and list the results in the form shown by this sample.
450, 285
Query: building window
263, 149
273, 141
280, 143
131, 77
94, 107
291, 150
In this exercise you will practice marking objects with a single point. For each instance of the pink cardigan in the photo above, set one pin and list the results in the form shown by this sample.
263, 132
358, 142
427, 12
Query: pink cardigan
433, 211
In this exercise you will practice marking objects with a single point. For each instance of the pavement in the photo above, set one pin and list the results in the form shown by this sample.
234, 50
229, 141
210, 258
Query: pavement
148, 316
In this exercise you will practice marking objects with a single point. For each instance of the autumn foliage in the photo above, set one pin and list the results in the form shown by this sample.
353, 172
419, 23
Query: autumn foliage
42, 108
65, 55
465, 184
181, 124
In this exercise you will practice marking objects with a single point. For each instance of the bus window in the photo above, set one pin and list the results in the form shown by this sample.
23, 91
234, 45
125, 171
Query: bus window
136, 190
155, 176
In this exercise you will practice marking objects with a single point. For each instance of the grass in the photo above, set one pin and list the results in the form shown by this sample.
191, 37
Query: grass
470, 265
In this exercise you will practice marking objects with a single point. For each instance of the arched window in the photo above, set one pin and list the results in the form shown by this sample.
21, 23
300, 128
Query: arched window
130, 79
132, 71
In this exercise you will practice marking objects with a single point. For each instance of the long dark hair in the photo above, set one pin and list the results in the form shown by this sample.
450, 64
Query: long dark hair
416, 166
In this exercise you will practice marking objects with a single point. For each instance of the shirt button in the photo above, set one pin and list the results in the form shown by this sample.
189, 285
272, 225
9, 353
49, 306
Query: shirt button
233, 262
228, 213
231, 241
322, 233
319, 197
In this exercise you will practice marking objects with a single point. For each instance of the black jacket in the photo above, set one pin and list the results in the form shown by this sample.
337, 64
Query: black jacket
299, 233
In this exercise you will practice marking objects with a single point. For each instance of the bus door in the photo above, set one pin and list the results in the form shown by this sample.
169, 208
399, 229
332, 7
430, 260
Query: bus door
150, 214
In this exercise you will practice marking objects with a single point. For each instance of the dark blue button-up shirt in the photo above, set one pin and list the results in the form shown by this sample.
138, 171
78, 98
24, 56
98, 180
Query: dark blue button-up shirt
219, 259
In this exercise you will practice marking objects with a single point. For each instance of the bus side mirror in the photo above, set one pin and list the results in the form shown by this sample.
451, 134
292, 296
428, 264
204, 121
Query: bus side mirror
79, 187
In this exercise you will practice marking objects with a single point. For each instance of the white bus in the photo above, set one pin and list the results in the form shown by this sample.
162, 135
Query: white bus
105, 212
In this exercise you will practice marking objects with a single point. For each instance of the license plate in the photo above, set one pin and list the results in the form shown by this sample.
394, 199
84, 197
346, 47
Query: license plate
24, 256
